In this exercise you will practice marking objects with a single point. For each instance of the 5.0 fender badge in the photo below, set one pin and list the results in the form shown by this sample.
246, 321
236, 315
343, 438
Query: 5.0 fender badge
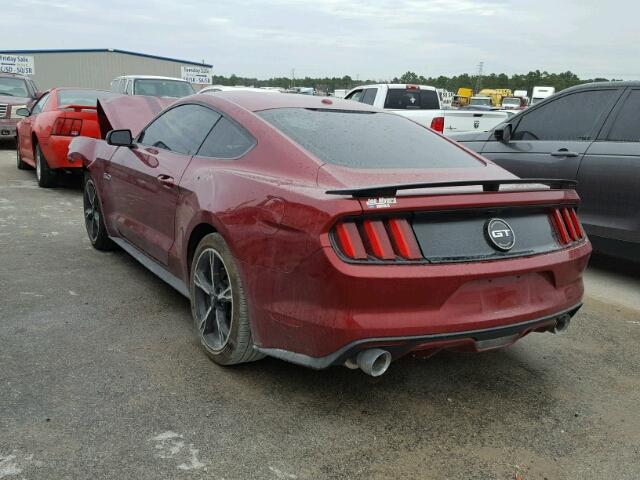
382, 202
500, 234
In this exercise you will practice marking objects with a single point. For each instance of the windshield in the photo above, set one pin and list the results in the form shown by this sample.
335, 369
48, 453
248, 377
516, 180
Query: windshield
401, 98
511, 102
83, 97
14, 87
480, 101
156, 87
364, 139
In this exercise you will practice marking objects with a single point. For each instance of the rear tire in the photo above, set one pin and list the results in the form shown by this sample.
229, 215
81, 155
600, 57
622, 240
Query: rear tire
46, 176
20, 164
219, 305
93, 219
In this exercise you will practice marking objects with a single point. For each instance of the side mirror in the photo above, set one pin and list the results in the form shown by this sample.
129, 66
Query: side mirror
22, 112
502, 133
119, 138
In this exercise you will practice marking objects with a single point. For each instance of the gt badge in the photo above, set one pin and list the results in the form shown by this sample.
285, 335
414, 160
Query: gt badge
476, 124
381, 202
500, 234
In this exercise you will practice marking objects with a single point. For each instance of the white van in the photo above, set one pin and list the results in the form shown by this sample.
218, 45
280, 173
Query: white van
152, 85
540, 93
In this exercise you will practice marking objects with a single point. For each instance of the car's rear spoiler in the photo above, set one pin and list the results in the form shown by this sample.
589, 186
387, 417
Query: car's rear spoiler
77, 108
487, 186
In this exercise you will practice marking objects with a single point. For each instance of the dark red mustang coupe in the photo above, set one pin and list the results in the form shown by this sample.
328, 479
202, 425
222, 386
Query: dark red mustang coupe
326, 232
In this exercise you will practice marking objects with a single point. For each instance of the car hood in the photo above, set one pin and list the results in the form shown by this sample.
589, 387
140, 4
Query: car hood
470, 136
8, 99
132, 112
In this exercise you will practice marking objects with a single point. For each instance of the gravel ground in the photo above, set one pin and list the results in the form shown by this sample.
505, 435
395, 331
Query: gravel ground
101, 377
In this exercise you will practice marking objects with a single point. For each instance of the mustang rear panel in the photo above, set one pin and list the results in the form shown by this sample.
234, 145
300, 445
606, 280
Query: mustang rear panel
465, 236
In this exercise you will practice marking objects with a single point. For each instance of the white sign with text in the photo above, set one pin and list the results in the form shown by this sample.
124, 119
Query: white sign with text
197, 74
22, 64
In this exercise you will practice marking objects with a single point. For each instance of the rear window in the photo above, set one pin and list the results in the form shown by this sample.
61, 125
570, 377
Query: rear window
367, 139
82, 97
156, 87
403, 99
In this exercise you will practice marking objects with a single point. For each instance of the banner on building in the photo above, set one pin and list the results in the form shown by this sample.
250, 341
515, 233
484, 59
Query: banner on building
197, 74
22, 64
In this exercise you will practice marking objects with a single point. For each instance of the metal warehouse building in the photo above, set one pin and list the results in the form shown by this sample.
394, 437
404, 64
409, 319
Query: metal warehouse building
95, 68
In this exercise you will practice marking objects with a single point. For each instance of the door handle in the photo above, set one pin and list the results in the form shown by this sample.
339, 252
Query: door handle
166, 180
563, 152
106, 176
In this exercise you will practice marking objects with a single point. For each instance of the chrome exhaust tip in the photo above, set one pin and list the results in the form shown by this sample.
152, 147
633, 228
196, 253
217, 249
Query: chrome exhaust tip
562, 324
374, 362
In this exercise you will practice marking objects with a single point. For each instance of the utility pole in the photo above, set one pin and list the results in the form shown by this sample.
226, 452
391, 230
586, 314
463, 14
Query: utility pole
293, 77
479, 77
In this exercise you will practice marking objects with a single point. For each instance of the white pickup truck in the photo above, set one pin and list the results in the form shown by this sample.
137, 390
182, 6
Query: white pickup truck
421, 104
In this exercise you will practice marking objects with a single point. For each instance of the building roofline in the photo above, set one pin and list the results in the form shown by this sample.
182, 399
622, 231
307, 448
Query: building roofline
103, 50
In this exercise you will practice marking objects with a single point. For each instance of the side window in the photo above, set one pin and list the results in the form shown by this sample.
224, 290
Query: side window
129, 87
626, 127
181, 129
355, 96
572, 117
226, 140
37, 108
369, 96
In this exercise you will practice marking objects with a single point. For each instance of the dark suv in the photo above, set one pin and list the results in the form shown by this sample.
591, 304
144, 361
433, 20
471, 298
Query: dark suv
16, 91
589, 133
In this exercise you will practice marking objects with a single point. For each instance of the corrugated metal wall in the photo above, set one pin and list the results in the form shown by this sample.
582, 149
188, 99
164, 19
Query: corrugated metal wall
95, 69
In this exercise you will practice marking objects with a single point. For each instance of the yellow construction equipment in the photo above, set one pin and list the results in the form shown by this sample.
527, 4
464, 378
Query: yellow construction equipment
495, 94
462, 97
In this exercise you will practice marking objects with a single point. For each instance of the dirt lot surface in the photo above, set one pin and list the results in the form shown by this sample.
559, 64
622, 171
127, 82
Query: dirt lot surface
101, 377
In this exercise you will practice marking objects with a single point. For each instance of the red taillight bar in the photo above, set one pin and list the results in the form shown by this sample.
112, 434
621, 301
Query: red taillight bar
378, 239
403, 238
576, 223
350, 241
569, 224
559, 223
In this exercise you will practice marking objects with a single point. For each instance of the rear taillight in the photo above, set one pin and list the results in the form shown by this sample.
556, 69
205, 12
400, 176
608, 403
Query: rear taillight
68, 127
567, 225
389, 240
437, 124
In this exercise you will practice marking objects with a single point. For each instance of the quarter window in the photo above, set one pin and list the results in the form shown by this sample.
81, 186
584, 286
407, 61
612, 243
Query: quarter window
572, 117
181, 129
226, 140
627, 125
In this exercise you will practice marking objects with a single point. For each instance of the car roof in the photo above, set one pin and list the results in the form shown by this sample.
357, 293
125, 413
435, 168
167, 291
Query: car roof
155, 77
595, 85
14, 75
396, 85
256, 101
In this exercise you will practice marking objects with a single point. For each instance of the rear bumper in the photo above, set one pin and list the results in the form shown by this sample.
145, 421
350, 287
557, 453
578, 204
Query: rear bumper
472, 340
55, 150
327, 305
8, 128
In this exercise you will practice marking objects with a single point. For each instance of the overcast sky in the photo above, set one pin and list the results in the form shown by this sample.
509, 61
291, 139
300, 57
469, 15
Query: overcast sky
368, 38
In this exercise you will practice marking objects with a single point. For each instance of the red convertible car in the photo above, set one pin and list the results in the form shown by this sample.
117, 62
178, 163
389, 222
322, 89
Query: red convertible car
325, 232
43, 136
